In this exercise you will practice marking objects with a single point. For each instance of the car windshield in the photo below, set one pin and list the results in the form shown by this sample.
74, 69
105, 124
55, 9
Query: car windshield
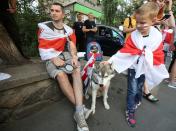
117, 31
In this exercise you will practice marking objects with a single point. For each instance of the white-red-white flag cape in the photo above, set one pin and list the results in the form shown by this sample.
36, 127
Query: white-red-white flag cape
87, 73
51, 43
150, 57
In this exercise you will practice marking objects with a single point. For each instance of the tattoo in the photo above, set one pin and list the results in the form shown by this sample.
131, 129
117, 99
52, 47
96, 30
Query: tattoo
73, 49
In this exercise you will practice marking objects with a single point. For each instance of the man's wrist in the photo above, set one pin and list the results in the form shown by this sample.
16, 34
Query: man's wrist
75, 57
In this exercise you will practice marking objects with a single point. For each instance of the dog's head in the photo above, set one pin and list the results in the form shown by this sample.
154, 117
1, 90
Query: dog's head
103, 73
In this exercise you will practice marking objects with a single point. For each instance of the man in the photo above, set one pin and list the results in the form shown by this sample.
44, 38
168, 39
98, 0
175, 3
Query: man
90, 28
78, 25
57, 47
7, 10
129, 25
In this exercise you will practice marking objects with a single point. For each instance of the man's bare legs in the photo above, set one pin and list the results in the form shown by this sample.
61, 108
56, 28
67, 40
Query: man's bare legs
77, 86
66, 87
75, 93
172, 82
173, 72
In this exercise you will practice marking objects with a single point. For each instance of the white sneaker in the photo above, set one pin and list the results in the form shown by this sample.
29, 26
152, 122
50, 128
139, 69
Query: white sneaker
87, 112
172, 84
137, 105
81, 122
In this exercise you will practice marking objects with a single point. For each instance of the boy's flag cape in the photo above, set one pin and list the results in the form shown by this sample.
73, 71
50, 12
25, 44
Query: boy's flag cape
149, 56
51, 43
87, 73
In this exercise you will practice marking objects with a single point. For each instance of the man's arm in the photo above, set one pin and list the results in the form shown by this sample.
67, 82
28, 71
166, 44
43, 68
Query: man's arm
94, 29
73, 50
171, 20
84, 29
12, 4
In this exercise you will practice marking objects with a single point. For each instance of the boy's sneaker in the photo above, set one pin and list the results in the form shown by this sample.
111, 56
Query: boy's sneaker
81, 122
86, 112
137, 105
172, 84
130, 119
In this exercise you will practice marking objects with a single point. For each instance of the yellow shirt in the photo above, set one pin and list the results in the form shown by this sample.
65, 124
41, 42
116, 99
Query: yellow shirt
126, 24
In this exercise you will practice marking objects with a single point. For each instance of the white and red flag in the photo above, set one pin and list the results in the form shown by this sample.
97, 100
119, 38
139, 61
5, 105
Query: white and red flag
86, 73
168, 36
145, 55
51, 43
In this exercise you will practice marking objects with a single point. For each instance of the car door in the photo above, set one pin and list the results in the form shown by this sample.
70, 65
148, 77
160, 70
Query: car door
106, 40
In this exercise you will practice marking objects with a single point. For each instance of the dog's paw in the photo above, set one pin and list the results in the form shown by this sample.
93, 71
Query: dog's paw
93, 110
88, 114
107, 107
86, 96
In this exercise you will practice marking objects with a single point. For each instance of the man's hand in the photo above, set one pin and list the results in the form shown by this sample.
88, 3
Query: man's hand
57, 61
75, 62
11, 10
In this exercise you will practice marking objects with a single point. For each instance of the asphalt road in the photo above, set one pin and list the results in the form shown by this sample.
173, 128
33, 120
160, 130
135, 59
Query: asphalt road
160, 116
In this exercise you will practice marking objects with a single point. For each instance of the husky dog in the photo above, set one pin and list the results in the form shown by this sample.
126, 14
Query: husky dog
100, 81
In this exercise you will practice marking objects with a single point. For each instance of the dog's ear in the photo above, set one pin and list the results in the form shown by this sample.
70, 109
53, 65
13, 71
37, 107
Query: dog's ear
97, 65
111, 66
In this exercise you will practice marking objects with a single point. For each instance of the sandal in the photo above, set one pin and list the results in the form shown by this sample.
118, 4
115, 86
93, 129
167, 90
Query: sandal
150, 97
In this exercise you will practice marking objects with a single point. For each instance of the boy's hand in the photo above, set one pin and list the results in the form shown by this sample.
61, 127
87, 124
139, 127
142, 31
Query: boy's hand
104, 62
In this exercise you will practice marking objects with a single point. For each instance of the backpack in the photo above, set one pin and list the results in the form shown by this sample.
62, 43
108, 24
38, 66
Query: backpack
94, 48
130, 25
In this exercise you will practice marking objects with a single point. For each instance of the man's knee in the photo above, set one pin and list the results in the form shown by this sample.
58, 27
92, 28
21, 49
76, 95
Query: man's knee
76, 72
61, 75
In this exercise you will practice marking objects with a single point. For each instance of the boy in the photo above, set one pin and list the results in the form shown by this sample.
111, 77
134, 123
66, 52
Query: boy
143, 56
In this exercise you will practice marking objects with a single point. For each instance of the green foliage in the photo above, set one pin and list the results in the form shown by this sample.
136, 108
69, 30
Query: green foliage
27, 18
115, 11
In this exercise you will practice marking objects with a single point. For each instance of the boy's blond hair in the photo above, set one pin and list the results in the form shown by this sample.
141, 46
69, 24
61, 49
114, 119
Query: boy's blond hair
149, 10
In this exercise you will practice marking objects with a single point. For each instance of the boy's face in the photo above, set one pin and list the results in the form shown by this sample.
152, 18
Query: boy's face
143, 24
56, 13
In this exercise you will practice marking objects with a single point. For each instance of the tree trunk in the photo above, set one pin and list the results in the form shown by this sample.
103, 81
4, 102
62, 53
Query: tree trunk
8, 51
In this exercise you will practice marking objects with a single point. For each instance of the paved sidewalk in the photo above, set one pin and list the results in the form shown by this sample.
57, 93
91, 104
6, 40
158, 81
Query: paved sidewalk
160, 116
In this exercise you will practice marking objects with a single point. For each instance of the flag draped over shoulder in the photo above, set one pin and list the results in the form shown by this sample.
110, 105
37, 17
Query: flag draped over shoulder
51, 43
87, 72
150, 57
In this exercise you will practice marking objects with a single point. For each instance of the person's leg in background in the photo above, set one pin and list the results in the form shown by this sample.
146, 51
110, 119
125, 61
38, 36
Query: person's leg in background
147, 94
172, 82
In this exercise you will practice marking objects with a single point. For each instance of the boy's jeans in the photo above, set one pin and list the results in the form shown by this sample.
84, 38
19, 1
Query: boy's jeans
134, 91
